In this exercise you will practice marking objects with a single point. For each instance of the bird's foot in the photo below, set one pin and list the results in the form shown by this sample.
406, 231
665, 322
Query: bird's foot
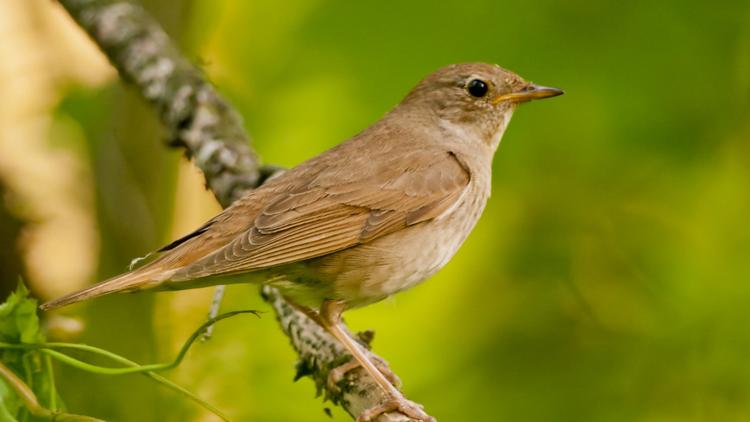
338, 373
400, 404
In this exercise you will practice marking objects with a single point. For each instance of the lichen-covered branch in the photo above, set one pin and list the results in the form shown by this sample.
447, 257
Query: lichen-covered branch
195, 115
319, 352
211, 132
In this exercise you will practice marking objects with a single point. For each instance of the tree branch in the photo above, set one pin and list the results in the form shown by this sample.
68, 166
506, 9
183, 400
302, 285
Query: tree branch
211, 132
194, 113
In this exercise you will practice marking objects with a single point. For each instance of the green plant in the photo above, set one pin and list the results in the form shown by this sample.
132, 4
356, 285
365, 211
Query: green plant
28, 391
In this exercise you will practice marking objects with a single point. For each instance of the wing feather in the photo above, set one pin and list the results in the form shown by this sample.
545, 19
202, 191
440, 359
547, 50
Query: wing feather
324, 217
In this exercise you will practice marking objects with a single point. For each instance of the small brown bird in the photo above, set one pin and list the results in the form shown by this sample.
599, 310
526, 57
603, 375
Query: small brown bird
373, 216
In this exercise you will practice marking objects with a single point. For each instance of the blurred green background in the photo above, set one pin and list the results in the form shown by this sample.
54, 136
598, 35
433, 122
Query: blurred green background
606, 281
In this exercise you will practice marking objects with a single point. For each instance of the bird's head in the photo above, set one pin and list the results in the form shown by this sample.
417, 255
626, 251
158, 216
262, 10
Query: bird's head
474, 98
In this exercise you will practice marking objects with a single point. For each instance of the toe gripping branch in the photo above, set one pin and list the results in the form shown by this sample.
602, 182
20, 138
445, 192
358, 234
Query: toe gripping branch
327, 362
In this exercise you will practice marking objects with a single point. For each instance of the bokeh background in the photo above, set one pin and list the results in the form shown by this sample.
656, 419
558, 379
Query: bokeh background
608, 280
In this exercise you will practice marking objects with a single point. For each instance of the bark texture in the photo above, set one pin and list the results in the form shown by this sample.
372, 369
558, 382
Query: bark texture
195, 115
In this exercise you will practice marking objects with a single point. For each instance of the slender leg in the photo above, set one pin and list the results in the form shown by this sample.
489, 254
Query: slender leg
338, 373
330, 319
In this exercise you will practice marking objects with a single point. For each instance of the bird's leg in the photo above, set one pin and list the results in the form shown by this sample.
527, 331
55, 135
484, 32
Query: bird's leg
337, 374
330, 319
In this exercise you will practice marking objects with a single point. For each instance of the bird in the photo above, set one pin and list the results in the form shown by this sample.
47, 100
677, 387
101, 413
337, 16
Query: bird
373, 216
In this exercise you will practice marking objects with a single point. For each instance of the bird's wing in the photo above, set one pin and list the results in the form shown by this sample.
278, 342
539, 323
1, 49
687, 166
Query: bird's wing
329, 212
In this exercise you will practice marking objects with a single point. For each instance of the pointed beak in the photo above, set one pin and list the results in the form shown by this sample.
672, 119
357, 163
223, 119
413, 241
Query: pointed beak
527, 93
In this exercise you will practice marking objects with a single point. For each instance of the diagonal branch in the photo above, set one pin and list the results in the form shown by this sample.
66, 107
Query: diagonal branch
211, 132
195, 115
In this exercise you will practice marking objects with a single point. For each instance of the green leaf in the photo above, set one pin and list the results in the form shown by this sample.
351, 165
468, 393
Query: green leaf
9, 404
19, 322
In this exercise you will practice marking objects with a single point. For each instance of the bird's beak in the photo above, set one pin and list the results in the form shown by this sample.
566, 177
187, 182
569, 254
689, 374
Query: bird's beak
527, 93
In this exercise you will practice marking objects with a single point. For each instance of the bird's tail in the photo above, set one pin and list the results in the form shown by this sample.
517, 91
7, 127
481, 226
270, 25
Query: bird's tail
140, 279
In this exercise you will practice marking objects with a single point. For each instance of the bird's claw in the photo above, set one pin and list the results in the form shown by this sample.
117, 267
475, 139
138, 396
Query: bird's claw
338, 373
400, 404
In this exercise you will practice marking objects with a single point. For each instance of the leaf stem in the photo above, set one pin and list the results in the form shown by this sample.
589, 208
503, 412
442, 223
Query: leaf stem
24, 392
48, 349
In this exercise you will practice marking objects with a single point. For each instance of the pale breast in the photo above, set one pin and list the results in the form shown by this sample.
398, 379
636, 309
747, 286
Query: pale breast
373, 271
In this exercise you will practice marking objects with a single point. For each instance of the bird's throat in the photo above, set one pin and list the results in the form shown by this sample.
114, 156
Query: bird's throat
496, 135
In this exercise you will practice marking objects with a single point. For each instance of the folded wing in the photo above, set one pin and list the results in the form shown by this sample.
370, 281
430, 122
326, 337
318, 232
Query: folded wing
325, 215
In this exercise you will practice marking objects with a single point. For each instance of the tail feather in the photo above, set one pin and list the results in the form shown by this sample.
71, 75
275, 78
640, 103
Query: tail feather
142, 278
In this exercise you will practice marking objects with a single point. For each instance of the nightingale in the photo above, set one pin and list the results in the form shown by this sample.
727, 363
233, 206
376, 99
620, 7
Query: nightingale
373, 216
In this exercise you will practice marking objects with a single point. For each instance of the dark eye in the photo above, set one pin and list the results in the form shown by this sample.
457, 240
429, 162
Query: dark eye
477, 88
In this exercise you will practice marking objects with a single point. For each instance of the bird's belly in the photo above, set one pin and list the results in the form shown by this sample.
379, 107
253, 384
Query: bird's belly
408, 258
370, 272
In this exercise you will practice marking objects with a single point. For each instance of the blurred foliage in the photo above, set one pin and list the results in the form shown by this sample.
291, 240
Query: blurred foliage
26, 372
608, 277
19, 323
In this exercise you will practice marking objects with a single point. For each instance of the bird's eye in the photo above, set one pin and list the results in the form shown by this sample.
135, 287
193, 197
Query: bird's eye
477, 88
